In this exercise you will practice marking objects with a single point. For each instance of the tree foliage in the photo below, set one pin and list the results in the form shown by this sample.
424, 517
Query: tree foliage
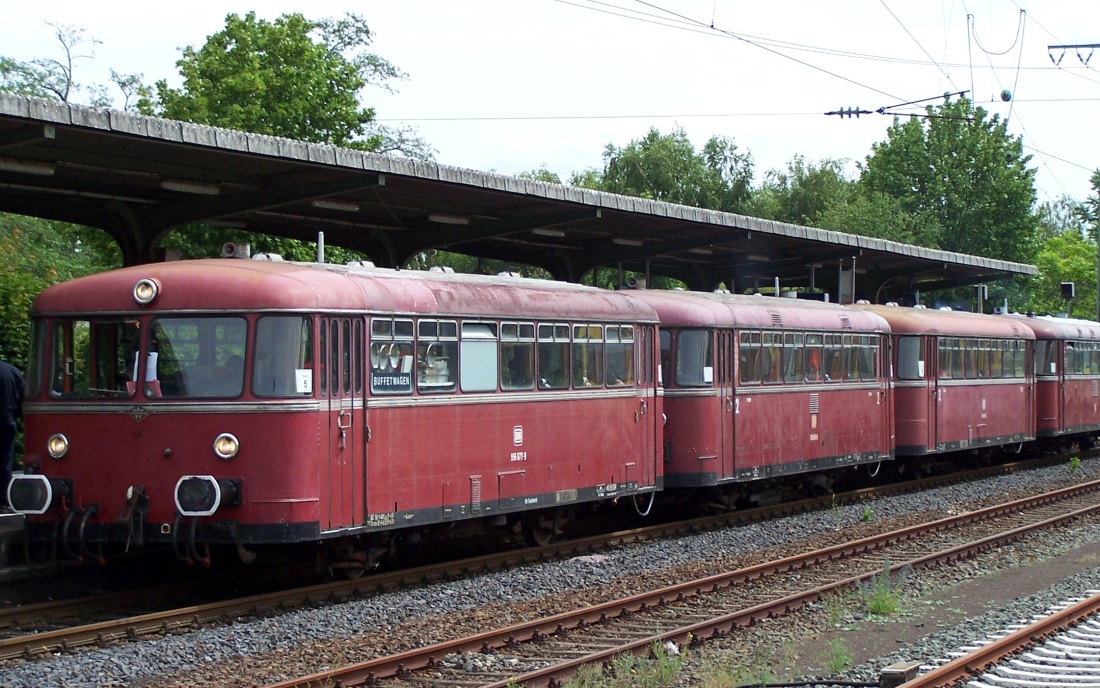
1065, 257
964, 170
666, 167
35, 254
291, 77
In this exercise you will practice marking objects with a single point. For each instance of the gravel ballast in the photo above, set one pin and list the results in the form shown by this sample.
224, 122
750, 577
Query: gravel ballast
254, 651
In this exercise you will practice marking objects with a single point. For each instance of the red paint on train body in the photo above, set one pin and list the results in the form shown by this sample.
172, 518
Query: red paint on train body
961, 380
271, 402
758, 387
1067, 375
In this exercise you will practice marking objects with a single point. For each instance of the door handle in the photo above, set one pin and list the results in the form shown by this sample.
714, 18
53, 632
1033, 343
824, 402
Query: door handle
340, 420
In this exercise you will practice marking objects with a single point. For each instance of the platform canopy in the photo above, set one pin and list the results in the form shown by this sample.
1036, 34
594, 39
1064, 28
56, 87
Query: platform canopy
138, 177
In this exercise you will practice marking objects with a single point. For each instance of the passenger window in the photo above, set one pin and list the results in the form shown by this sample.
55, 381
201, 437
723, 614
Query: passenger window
910, 358
517, 356
477, 357
322, 355
748, 358
771, 357
996, 358
792, 358
1045, 357
665, 368
587, 356
958, 354
834, 358
436, 356
814, 344
694, 358
553, 352
971, 358
620, 355
851, 357
391, 356
868, 357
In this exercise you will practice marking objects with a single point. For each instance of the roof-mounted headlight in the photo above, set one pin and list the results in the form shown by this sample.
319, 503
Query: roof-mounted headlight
145, 291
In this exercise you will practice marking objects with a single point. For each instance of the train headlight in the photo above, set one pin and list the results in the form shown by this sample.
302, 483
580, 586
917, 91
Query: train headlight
57, 445
35, 494
226, 446
145, 291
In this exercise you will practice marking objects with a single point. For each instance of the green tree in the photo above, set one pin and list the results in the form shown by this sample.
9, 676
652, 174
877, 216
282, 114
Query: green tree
292, 77
964, 170
55, 78
1090, 209
35, 254
1066, 256
803, 192
877, 215
667, 168
541, 174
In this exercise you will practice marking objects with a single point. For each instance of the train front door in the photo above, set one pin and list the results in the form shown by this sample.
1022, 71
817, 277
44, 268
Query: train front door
340, 349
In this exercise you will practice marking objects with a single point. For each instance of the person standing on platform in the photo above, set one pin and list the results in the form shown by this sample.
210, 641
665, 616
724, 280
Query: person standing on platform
12, 390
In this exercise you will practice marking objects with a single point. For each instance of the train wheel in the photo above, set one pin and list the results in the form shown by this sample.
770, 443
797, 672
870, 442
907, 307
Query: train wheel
540, 530
247, 556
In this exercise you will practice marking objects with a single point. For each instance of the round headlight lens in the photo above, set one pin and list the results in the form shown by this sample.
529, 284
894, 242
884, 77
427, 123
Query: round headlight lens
145, 291
226, 446
57, 445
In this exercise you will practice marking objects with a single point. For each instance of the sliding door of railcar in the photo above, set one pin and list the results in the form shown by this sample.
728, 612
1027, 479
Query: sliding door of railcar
649, 410
724, 373
340, 352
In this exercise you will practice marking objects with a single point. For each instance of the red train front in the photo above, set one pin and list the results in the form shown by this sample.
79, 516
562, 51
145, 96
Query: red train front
252, 403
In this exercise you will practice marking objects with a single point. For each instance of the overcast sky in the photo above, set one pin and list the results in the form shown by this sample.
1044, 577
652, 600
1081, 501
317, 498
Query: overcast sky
514, 85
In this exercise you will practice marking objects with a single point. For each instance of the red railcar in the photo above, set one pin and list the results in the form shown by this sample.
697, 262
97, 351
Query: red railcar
1067, 375
250, 403
758, 387
961, 380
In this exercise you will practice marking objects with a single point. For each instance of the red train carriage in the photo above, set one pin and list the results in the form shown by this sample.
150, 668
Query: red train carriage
251, 403
758, 387
961, 380
1067, 376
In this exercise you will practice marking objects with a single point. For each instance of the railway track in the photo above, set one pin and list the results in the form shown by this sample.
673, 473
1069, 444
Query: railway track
1062, 648
34, 630
546, 651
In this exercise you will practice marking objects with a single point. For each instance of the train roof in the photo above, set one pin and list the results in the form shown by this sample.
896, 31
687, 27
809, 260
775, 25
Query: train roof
246, 285
692, 308
1052, 327
906, 320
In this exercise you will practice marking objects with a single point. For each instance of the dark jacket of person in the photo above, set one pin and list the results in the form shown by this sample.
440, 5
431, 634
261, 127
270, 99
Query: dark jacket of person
12, 390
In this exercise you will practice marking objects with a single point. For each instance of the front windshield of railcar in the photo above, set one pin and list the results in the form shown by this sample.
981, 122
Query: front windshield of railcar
196, 357
93, 358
